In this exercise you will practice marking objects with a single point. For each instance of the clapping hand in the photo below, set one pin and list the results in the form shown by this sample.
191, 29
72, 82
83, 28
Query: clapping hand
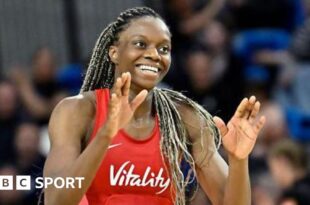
240, 133
120, 110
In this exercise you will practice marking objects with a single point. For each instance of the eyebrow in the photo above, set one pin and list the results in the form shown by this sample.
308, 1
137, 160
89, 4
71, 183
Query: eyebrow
143, 36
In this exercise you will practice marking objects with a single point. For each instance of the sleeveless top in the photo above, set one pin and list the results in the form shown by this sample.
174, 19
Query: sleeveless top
133, 171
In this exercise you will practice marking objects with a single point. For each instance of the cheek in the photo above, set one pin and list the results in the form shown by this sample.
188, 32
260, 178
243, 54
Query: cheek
167, 61
126, 59
130, 56
276, 169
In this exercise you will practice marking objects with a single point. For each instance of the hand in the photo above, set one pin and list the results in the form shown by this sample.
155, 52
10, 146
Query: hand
120, 109
19, 77
240, 134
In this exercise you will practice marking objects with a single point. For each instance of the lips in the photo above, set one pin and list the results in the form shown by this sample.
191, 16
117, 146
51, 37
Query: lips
148, 68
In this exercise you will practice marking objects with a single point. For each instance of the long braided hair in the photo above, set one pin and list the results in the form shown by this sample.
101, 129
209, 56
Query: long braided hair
174, 143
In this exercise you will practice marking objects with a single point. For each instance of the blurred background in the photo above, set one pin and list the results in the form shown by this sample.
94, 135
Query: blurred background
223, 49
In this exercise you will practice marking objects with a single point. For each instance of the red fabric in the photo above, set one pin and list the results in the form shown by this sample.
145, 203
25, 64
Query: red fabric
84, 201
133, 171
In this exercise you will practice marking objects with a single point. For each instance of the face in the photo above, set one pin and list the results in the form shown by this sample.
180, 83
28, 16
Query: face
198, 70
282, 171
27, 139
215, 36
289, 202
44, 65
8, 100
143, 50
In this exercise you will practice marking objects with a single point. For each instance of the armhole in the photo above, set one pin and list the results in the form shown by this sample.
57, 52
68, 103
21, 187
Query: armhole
102, 99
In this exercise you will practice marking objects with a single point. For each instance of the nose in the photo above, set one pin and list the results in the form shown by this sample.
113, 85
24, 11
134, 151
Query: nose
152, 54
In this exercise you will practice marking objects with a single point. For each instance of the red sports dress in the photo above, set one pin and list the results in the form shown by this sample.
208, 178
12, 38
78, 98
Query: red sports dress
132, 171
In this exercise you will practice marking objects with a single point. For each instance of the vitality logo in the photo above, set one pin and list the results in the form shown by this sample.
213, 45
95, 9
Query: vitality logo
125, 176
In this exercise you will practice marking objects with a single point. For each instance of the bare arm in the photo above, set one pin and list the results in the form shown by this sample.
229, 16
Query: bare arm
36, 105
200, 19
69, 124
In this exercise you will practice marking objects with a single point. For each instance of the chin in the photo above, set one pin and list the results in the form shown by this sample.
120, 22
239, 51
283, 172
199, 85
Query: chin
144, 84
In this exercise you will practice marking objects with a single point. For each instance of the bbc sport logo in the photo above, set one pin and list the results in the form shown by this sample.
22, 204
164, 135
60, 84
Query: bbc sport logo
24, 182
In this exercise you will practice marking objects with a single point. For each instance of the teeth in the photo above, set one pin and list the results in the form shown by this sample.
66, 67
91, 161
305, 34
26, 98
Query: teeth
149, 68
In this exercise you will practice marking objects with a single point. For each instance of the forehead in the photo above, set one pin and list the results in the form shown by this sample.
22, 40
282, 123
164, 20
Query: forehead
147, 26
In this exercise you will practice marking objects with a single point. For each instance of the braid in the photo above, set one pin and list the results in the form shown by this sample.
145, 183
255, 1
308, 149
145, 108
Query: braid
174, 142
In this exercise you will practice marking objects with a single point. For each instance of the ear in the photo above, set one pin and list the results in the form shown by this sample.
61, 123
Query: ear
113, 54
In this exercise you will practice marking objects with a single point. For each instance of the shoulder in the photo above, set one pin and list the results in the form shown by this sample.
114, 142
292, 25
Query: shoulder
73, 116
84, 103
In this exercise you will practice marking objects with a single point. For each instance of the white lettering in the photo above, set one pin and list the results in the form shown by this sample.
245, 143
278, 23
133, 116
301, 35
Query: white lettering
125, 176
79, 179
39, 183
70, 182
58, 182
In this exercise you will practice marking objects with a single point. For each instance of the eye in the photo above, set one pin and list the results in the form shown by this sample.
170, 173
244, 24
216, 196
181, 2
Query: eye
164, 49
140, 44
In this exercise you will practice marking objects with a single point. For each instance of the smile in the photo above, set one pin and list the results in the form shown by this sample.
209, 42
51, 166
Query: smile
147, 68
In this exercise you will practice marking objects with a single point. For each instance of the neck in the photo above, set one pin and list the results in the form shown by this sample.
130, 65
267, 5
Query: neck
144, 111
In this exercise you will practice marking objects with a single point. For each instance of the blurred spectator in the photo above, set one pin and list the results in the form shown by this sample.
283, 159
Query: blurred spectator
226, 70
301, 43
27, 157
295, 196
215, 36
207, 86
198, 69
185, 20
9, 118
264, 190
274, 130
40, 92
10, 197
296, 92
281, 14
289, 167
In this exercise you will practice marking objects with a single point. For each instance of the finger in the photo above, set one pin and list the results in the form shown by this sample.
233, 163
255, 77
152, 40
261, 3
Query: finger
113, 106
127, 84
259, 125
123, 82
117, 87
241, 108
220, 124
250, 106
254, 112
138, 100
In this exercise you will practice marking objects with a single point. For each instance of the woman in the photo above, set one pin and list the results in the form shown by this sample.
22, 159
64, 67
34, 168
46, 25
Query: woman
127, 137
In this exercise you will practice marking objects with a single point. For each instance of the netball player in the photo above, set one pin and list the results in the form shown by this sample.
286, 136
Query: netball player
127, 137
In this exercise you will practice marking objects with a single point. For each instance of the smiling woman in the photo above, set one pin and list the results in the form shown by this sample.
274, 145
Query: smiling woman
95, 135
143, 49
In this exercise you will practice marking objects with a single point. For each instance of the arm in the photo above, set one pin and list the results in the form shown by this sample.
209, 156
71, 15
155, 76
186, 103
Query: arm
36, 105
229, 185
69, 124
67, 127
200, 19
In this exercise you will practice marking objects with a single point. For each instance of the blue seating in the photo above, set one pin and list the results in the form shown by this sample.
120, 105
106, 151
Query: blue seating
298, 123
247, 43
70, 78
